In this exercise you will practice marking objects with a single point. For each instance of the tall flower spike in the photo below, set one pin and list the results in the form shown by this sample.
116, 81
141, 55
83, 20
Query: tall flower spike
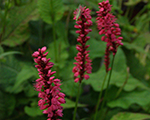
83, 62
48, 87
107, 26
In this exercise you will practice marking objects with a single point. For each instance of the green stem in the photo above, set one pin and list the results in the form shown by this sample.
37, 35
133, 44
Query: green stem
108, 82
54, 37
105, 113
55, 45
55, 48
131, 12
67, 27
59, 56
100, 95
121, 88
77, 99
127, 12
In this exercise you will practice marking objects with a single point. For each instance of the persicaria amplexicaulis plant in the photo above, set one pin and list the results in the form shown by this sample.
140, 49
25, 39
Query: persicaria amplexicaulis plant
83, 62
48, 87
107, 26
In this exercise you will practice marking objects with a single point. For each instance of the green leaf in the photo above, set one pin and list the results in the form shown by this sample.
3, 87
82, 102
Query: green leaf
61, 32
25, 73
22, 77
51, 10
7, 105
69, 87
127, 28
18, 36
130, 116
91, 95
71, 104
146, 35
136, 43
117, 79
67, 69
133, 46
115, 7
23, 12
9, 70
135, 97
141, 21
132, 83
120, 62
30, 91
119, 75
148, 68
136, 68
18, 30
9, 53
23, 100
62, 53
123, 21
33, 111
97, 48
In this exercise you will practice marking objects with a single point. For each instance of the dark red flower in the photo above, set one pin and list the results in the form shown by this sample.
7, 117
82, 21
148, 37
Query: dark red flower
107, 26
48, 87
83, 64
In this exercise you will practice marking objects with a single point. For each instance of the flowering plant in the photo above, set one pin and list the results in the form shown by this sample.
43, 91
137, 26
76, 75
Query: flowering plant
107, 26
83, 63
48, 87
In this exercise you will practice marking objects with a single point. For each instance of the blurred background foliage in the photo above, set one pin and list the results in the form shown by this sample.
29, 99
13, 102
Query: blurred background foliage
26, 25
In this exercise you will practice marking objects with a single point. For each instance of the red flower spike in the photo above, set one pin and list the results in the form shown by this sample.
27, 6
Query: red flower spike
107, 26
83, 62
48, 87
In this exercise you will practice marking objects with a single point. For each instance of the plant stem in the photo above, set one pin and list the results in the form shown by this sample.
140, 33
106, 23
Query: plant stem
59, 56
121, 88
100, 95
55, 48
127, 12
131, 12
77, 99
105, 113
54, 38
108, 82
55, 45
67, 26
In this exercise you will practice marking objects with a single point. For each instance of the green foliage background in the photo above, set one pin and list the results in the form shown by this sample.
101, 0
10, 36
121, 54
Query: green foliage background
26, 25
